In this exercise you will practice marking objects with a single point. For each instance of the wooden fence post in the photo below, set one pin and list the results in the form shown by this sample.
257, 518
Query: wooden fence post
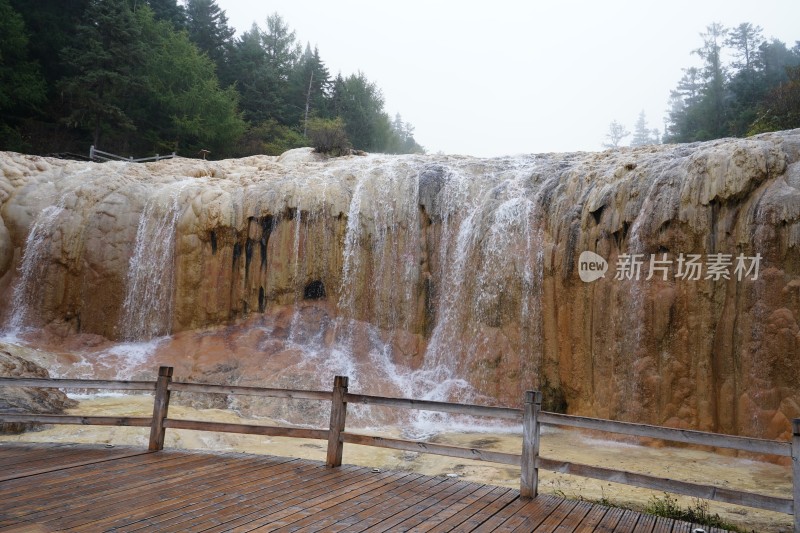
529, 476
796, 473
160, 408
338, 416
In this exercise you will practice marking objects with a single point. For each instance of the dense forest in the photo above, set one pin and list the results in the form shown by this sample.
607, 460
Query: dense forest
138, 77
757, 90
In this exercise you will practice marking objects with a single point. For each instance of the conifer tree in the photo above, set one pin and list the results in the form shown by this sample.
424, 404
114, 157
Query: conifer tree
22, 87
208, 28
107, 58
642, 135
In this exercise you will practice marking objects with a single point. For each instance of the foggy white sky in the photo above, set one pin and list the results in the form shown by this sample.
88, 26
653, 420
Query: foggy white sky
499, 77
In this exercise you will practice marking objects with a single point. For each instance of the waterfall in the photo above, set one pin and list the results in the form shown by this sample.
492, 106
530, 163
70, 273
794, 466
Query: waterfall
298, 223
148, 304
32, 270
487, 225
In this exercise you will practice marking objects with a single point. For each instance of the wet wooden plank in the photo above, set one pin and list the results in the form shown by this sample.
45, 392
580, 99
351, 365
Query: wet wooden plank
509, 498
467, 509
59, 464
173, 500
121, 503
89, 476
627, 522
594, 517
574, 519
609, 521
258, 511
396, 500
290, 510
342, 516
453, 509
326, 505
85, 507
523, 513
130, 490
663, 525
440, 504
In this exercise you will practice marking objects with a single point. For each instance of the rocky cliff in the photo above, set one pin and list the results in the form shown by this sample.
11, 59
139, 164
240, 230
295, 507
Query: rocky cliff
464, 269
26, 400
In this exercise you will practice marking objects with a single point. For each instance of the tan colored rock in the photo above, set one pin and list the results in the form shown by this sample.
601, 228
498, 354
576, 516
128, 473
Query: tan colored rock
26, 400
454, 266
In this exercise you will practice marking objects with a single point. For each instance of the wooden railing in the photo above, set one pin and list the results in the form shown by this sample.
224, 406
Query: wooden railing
99, 155
531, 416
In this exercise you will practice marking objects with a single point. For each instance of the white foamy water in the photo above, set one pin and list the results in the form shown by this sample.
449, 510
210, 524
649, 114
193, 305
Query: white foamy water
32, 269
133, 356
485, 252
148, 305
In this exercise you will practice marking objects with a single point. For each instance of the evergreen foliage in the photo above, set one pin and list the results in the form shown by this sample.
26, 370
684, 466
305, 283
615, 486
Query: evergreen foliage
22, 87
642, 135
752, 93
154, 76
107, 58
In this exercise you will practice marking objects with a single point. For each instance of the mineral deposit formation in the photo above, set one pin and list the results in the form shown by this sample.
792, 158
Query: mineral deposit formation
464, 269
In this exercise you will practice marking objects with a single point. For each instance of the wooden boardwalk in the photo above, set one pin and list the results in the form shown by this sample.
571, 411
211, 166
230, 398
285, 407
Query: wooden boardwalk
65, 487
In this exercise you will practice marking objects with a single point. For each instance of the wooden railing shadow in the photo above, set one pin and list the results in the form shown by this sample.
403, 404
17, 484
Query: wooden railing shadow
531, 416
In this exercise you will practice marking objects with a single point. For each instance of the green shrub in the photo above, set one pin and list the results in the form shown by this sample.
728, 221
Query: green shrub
328, 136
269, 138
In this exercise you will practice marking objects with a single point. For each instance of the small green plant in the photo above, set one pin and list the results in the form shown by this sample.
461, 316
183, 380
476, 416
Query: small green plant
697, 513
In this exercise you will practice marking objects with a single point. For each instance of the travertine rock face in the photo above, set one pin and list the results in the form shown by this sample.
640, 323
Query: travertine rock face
465, 268
26, 400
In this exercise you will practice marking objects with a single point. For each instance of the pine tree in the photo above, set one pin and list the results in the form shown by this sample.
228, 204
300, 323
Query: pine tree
182, 107
170, 11
282, 54
208, 28
107, 58
642, 135
22, 87
360, 103
745, 84
780, 109
52, 25
248, 67
310, 82
714, 110
684, 107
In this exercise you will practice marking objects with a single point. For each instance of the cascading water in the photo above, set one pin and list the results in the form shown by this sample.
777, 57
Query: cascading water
148, 305
635, 273
432, 276
27, 291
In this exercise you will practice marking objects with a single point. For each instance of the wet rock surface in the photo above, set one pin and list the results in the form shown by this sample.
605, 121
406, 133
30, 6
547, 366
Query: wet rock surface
27, 400
458, 268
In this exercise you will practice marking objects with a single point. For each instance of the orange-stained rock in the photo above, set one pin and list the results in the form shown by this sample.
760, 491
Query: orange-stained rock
438, 268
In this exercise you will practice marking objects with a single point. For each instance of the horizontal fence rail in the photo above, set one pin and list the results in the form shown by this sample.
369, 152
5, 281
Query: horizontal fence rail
686, 436
531, 417
505, 413
437, 449
79, 420
99, 155
291, 394
78, 384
